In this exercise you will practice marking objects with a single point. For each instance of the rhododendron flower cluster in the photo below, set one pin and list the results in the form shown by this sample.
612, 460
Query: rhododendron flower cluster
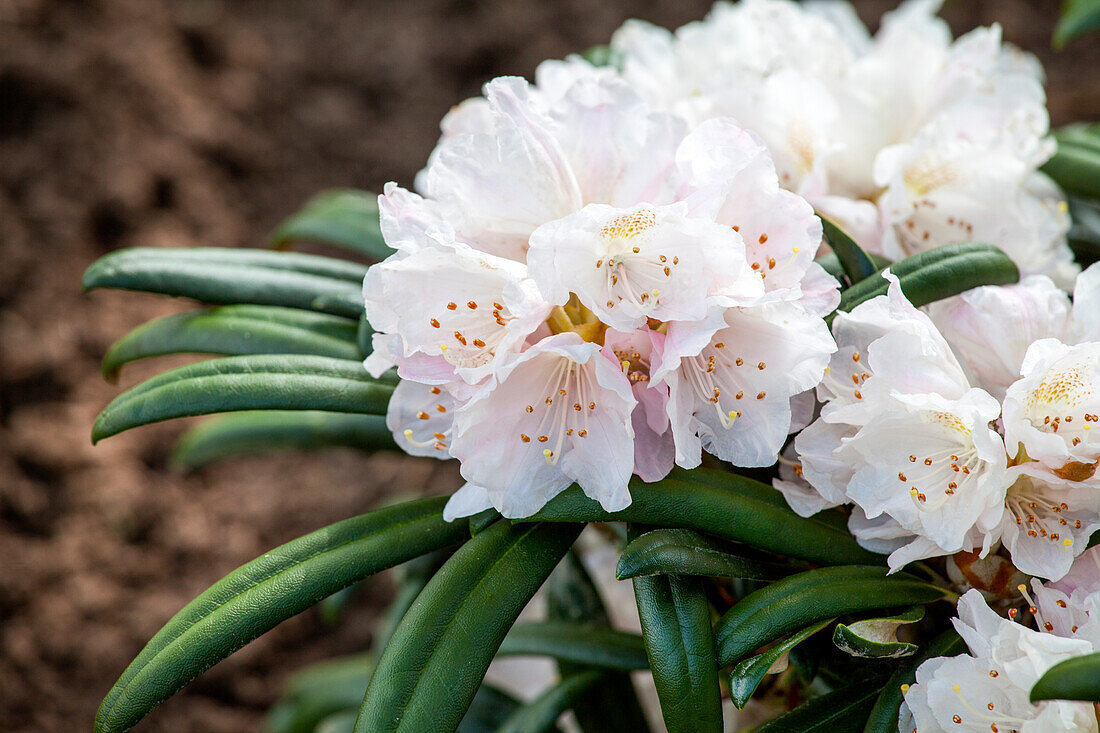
910, 139
988, 689
586, 290
962, 428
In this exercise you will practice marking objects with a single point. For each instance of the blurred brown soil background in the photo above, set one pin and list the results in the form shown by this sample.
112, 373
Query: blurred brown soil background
203, 122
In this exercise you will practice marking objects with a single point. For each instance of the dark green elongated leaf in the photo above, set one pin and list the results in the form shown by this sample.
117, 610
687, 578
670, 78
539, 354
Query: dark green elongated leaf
806, 598
118, 262
364, 336
613, 706
318, 692
937, 274
855, 263
681, 551
1083, 134
343, 217
266, 430
1074, 679
488, 711
1078, 18
481, 520
831, 264
679, 641
338, 685
541, 714
261, 382
329, 693
734, 512
268, 590
1075, 167
758, 491
749, 673
434, 662
232, 276
840, 711
237, 330
341, 722
884, 714
876, 638
584, 644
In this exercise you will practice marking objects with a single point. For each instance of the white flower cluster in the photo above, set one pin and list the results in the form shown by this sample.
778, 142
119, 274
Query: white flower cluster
972, 425
988, 689
909, 139
611, 270
585, 290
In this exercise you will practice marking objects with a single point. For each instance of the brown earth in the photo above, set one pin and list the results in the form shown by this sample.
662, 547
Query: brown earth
203, 122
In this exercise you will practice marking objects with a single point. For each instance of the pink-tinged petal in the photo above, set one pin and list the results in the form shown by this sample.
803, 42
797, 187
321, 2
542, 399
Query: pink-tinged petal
732, 376
560, 413
465, 306
1047, 521
497, 188
654, 450
819, 291
421, 416
990, 328
410, 222
466, 502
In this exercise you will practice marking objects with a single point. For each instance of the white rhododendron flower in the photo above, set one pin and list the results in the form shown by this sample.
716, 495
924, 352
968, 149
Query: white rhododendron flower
988, 689
1051, 412
585, 291
909, 139
941, 454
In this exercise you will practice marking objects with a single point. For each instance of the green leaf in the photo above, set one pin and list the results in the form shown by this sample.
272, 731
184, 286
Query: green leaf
1074, 679
364, 336
831, 264
856, 264
1075, 167
613, 706
262, 382
483, 519
257, 596
741, 510
490, 708
679, 641
343, 217
840, 711
806, 598
602, 56
237, 330
319, 692
884, 714
583, 644
1078, 18
1084, 134
876, 638
232, 276
261, 431
937, 274
329, 693
432, 666
749, 673
341, 722
541, 714
681, 551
